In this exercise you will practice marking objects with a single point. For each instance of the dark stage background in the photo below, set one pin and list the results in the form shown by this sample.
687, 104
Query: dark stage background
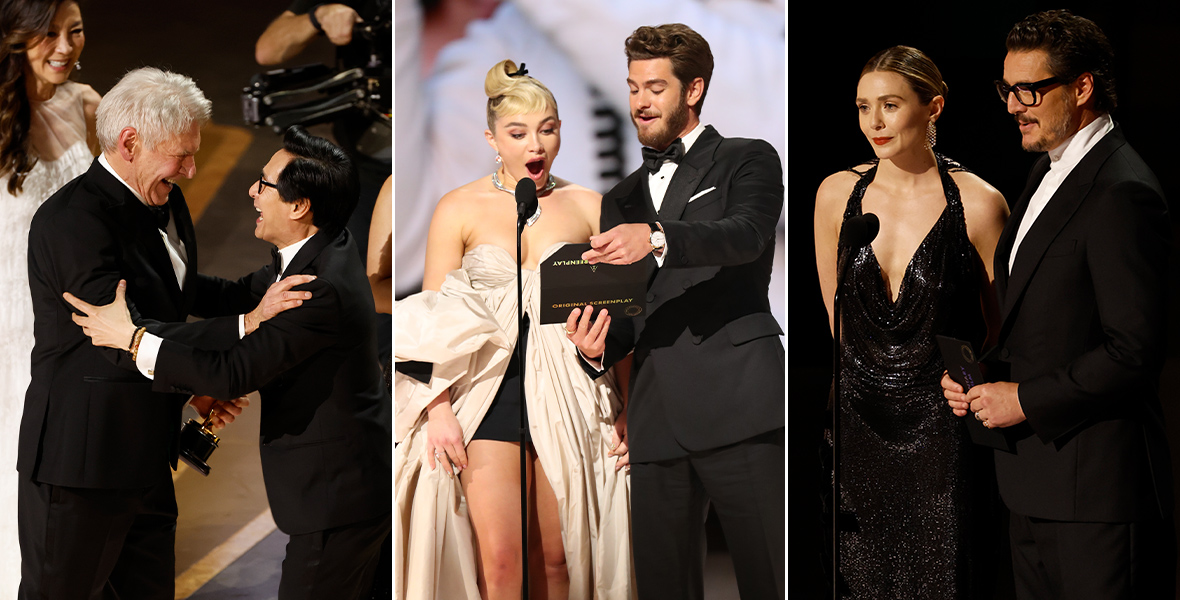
831, 43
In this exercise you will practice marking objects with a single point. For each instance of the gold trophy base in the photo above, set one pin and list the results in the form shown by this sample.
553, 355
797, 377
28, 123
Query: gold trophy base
197, 443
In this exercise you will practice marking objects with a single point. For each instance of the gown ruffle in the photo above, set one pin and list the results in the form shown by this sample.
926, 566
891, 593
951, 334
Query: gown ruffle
466, 330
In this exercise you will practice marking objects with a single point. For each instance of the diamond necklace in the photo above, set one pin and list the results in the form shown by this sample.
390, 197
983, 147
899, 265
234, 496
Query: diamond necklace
537, 215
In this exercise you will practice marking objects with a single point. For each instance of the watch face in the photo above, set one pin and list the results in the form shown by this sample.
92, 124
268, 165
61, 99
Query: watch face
657, 240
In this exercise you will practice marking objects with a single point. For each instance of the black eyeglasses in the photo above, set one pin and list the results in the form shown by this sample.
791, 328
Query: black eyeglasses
263, 182
1026, 93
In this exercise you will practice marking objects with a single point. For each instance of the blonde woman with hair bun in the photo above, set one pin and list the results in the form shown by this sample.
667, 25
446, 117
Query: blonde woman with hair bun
456, 464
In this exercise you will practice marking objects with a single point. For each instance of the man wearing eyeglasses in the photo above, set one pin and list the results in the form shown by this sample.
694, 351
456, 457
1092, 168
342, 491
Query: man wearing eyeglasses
1081, 275
325, 434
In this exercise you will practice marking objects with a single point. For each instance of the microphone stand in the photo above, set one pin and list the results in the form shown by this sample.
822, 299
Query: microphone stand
526, 199
856, 233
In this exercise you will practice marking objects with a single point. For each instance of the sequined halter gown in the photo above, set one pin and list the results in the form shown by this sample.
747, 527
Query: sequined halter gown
904, 466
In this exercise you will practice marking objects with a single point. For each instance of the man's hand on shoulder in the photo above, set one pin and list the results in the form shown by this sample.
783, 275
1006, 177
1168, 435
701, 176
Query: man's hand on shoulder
278, 298
621, 245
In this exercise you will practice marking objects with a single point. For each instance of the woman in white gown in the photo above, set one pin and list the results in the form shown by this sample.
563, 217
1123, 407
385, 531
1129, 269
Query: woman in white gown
460, 537
46, 139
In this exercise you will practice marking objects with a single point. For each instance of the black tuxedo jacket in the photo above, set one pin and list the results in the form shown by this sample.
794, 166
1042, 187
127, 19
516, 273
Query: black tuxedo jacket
87, 422
1083, 333
325, 435
708, 363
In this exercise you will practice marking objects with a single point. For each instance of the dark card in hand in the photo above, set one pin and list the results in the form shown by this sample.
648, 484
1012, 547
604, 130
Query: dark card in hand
964, 370
568, 282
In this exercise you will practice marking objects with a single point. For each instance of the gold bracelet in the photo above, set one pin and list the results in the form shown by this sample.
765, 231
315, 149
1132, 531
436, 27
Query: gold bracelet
135, 339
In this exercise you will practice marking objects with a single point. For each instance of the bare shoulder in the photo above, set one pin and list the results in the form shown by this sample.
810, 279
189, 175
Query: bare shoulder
459, 201
577, 193
834, 191
979, 197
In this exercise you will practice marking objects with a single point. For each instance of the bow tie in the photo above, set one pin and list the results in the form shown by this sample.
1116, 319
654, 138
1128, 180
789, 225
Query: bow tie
276, 263
160, 214
654, 159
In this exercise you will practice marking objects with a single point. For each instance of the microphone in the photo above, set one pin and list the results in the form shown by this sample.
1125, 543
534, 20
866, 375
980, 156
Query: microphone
526, 200
859, 231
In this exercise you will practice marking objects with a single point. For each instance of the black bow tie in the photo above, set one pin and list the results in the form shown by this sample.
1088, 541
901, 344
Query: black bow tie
276, 262
160, 213
654, 159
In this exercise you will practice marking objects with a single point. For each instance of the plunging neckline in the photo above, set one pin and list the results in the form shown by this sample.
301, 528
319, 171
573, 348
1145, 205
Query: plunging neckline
890, 298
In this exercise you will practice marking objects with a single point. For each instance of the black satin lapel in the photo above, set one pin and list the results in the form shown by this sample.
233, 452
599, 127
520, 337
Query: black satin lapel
635, 205
1051, 221
312, 249
692, 169
1008, 235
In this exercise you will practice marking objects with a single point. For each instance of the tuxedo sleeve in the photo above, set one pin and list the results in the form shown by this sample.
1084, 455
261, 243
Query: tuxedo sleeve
80, 254
218, 297
279, 344
754, 200
1126, 253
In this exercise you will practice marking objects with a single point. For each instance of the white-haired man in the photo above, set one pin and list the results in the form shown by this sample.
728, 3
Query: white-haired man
96, 506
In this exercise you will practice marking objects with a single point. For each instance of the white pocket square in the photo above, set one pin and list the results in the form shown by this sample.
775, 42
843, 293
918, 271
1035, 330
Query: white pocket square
701, 193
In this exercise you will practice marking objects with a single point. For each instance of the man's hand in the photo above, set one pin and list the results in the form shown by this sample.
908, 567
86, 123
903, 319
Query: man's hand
219, 412
108, 325
278, 298
618, 441
621, 245
996, 404
589, 338
337, 21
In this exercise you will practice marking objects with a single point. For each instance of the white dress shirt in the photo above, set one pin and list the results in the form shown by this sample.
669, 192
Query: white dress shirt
177, 254
658, 182
1062, 160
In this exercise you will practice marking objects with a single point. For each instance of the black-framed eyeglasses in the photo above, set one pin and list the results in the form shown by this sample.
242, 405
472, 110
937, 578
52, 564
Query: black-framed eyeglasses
263, 182
1026, 93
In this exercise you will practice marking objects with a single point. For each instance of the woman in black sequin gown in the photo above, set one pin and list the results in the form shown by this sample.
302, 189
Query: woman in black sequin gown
909, 474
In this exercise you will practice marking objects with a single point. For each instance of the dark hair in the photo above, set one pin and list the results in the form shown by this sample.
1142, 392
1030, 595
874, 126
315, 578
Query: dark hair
688, 51
1075, 45
321, 172
22, 23
913, 65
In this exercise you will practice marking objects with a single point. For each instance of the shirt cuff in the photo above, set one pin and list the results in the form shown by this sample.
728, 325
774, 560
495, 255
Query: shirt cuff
593, 362
149, 350
241, 326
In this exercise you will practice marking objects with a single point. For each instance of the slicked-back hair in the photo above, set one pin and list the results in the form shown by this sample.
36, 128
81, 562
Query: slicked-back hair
322, 173
914, 66
1075, 45
159, 104
685, 48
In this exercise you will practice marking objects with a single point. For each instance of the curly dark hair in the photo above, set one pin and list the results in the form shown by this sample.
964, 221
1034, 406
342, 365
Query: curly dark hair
1075, 45
22, 24
688, 51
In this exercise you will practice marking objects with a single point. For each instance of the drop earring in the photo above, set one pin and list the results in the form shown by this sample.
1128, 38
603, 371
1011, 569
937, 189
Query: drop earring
498, 159
77, 65
931, 134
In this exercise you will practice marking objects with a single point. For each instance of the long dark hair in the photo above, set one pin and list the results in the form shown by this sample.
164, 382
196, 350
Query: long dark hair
22, 23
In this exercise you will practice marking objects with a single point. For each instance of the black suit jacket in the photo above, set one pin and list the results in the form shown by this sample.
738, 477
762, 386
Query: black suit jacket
1083, 314
87, 422
708, 363
325, 436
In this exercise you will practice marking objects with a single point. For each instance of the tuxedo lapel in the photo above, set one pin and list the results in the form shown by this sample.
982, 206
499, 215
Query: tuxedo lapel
311, 250
1008, 235
689, 173
1053, 218
634, 199
132, 214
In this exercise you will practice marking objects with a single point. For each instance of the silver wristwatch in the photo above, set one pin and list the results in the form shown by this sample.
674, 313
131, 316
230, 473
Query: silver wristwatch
657, 237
